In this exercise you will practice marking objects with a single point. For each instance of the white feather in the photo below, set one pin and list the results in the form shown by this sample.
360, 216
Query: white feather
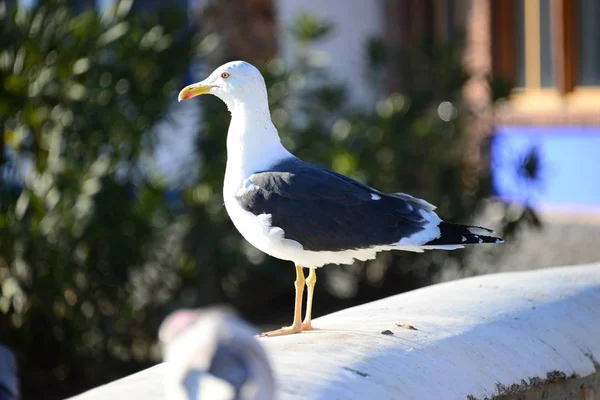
430, 232
479, 231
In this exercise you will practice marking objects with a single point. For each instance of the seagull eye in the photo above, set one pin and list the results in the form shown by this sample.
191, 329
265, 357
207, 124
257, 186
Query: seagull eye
225, 75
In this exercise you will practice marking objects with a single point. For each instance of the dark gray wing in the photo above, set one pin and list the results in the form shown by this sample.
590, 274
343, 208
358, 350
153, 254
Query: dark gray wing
326, 211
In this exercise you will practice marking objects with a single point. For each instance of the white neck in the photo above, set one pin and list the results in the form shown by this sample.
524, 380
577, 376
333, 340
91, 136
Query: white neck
253, 143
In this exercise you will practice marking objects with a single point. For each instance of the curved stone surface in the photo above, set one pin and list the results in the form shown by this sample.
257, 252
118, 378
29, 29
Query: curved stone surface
474, 338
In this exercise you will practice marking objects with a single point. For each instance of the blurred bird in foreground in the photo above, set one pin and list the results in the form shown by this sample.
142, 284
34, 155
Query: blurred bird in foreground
212, 354
9, 385
309, 215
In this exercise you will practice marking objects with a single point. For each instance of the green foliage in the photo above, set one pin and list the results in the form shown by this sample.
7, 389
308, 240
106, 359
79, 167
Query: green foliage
308, 27
500, 88
79, 95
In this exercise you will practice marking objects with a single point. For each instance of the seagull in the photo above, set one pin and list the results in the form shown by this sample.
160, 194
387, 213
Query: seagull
212, 354
296, 211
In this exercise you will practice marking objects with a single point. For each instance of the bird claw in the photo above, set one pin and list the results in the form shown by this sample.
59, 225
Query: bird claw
288, 330
307, 326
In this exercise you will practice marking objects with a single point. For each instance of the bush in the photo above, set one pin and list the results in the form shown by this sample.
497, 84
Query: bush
79, 94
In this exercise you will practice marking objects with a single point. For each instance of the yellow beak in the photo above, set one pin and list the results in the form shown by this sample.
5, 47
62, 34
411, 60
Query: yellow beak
194, 90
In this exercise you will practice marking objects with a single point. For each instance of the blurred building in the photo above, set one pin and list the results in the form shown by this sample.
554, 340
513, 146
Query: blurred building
550, 50
546, 135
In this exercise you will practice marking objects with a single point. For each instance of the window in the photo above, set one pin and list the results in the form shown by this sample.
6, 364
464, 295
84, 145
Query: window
449, 19
519, 43
547, 44
588, 42
547, 74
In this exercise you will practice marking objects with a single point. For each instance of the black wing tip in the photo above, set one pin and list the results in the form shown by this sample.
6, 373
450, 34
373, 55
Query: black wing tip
479, 239
455, 234
478, 230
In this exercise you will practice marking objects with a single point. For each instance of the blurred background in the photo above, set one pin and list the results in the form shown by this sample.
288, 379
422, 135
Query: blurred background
111, 213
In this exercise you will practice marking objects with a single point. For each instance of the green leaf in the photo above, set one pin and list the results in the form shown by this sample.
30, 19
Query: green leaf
308, 27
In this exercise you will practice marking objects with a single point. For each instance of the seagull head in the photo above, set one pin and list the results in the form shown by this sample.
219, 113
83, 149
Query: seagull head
231, 82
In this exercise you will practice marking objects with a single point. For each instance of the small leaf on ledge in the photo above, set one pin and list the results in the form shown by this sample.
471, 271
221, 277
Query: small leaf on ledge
406, 326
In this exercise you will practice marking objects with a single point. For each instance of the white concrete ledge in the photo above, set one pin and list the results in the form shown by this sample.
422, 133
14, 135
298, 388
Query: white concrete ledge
475, 338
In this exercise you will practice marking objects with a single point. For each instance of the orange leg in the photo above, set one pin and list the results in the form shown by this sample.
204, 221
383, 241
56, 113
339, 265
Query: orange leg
311, 281
296, 326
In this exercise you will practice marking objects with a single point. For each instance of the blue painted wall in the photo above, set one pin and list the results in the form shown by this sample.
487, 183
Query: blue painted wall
569, 166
